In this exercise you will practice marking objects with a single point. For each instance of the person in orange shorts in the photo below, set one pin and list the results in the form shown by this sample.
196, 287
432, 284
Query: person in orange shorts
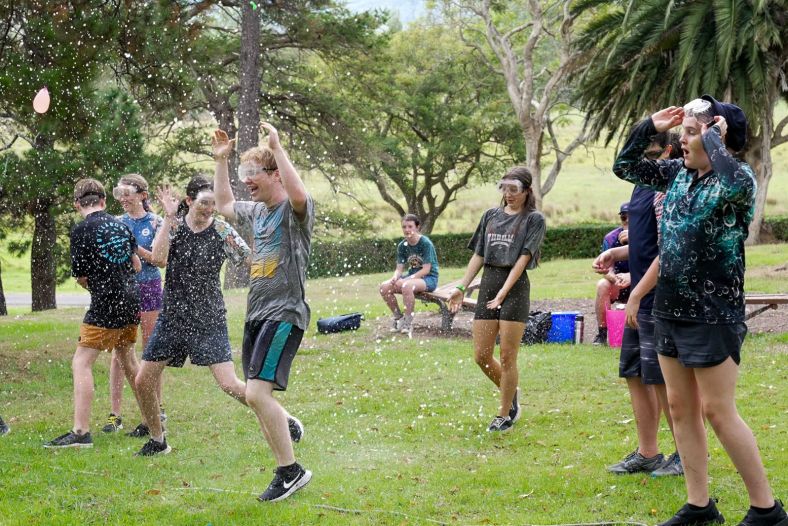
104, 261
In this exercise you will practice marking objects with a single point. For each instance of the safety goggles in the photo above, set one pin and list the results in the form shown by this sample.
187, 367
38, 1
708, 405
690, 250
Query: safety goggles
247, 172
125, 190
204, 201
510, 186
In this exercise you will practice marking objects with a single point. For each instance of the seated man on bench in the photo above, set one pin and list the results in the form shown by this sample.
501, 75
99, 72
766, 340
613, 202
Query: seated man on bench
416, 271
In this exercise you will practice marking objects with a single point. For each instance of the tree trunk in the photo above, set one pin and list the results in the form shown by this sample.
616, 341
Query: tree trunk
759, 157
42, 260
3, 308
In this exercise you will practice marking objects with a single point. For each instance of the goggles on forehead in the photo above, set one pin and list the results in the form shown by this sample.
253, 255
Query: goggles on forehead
512, 186
125, 190
699, 109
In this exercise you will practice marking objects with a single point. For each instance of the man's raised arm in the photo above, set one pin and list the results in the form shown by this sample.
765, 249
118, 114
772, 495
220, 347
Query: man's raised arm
223, 192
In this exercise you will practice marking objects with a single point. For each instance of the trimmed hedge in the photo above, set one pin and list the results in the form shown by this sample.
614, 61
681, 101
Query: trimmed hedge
778, 227
366, 256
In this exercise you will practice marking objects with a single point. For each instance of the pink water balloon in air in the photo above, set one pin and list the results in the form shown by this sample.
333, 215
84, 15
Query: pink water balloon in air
41, 102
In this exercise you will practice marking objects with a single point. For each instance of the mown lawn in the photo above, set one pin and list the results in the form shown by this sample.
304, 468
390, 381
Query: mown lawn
395, 430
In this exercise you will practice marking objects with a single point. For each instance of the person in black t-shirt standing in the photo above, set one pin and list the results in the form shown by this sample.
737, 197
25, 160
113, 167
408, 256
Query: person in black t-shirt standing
104, 261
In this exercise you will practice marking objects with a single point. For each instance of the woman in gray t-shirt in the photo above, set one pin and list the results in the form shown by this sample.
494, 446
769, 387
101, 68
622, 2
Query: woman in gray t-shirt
506, 243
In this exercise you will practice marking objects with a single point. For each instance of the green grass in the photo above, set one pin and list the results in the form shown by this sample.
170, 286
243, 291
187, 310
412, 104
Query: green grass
395, 429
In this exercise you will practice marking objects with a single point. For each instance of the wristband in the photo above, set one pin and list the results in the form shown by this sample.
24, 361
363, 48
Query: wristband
461, 287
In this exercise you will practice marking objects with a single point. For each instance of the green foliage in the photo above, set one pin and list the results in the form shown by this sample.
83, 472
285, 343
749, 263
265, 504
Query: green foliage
778, 227
364, 256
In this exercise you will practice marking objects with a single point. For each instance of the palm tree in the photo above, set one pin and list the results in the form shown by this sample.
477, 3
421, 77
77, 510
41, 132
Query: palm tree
649, 54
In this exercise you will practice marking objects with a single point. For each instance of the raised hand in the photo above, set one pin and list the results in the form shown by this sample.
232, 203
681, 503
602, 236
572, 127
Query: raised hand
668, 118
168, 199
273, 135
720, 122
222, 145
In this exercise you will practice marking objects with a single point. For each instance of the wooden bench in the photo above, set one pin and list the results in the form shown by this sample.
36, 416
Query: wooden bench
769, 301
441, 295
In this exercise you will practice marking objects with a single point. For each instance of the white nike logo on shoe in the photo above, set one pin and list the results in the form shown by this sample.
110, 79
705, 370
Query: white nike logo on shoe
287, 485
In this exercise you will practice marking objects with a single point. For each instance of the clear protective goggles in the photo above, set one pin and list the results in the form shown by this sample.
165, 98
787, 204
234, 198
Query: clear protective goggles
700, 109
204, 200
510, 186
125, 190
247, 172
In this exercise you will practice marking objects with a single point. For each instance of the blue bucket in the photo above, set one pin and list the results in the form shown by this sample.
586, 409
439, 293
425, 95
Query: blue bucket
563, 329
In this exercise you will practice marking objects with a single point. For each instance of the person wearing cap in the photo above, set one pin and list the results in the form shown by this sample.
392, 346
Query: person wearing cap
104, 261
614, 285
699, 298
506, 243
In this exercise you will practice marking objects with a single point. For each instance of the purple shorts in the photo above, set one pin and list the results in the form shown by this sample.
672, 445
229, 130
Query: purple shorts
150, 295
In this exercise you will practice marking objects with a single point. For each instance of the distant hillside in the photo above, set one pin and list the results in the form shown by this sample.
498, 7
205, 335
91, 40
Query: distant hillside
408, 10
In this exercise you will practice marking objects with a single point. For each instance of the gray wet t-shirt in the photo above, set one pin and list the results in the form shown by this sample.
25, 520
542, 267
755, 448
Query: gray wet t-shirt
502, 238
280, 257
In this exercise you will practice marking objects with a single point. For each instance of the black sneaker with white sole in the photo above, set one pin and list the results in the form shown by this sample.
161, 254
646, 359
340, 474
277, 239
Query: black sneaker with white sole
500, 423
296, 428
140, 431
775, 517
514, 412
287, 480
153, 447
71, 439
687, 516
637, 463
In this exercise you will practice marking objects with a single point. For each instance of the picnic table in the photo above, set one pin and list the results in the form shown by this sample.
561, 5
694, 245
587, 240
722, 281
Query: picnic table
768, 301
441, 295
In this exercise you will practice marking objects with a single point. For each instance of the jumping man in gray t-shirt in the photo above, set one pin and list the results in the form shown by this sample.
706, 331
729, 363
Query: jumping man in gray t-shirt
281, 216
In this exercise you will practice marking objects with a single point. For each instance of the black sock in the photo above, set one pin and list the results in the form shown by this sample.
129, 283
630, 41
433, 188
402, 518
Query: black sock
764, 511
291, 469
698, 508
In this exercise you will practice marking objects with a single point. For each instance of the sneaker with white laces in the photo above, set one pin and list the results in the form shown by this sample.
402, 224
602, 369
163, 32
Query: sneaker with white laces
140, 431
774, 517
113, 425
71, 439
671, 467
637, 463
152, 447
406, 324
4, 429
287, 480
296, 428
500, 423
687, 516
515, 411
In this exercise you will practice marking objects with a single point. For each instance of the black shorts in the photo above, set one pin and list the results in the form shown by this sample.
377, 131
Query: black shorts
515, 306
268, 350
173, 342
697, 344
638, 352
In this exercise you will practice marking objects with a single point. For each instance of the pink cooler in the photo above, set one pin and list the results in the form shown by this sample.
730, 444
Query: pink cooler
616, 320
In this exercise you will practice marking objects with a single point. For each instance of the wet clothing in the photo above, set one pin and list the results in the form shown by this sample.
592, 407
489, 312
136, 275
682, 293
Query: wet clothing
151, 296
638, 356
414, 257
101, 250
702, 230
699, 344
144, 230
192, 288
268, 350
501, 238
643, 239
280, 258
103, 339
515, 306
204, 345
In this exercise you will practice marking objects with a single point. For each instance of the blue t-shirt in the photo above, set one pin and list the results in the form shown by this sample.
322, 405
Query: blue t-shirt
611, 241
144, 230
643, 240
415, 256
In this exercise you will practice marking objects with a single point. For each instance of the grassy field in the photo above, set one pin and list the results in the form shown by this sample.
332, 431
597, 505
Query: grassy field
395, 428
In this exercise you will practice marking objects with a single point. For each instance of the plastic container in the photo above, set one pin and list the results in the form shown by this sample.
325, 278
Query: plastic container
616, 319
563, 328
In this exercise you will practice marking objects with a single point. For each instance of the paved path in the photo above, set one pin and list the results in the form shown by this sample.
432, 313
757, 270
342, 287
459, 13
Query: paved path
64, 299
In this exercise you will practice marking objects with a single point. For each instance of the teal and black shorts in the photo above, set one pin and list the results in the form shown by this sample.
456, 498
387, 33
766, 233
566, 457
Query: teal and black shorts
268, 350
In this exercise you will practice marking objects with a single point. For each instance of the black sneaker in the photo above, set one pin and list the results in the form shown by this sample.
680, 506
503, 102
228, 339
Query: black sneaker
686, 516
671, 468
113, 425
4, 429
637, 463
514, 412
601, 337
296, 428
287, 480
776, 517
152, 447
500, 423
139, 432
71, 439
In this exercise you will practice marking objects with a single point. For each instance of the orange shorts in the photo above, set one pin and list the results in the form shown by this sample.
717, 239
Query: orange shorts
103, 339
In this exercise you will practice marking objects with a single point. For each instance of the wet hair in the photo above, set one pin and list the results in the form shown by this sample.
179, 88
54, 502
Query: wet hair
522, 174
412, 217
197, 184
261, 155
138, 182
89, 192
665, 139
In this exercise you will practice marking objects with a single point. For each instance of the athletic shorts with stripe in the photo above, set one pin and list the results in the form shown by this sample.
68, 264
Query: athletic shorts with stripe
268, 350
